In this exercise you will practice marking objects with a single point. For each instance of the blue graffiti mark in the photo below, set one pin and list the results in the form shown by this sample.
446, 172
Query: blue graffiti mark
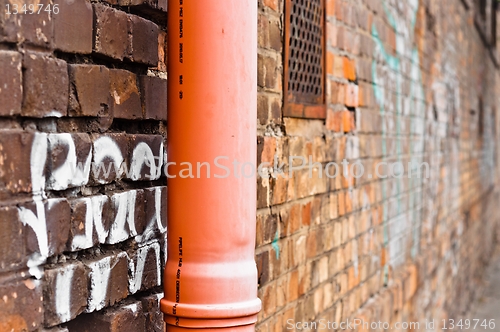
275, 245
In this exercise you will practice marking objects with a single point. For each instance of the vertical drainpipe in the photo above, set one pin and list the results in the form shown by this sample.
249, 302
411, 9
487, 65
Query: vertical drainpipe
211, 278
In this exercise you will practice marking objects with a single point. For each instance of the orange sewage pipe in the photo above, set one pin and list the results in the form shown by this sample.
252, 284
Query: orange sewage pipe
210, 279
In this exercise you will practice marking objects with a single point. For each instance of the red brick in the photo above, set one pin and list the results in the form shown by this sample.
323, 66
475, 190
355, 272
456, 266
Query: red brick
12, 244
128, 317
89, 90
333, 120
349, 69
73, 26
142, 33
111, 32
11, 88
330, 7
21, 307
273, 4
154, 97
45, 86
126, 101
65, 292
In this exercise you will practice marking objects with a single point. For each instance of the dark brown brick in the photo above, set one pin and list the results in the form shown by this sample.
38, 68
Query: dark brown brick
65, 293
111, 36
144, 268
45, 86
11, 88
125, 94
128, 317
73, 26
146, 157
9, 24
57, 214
156, 205
263, 267
21, 307
12, 244
152, 313
129, 215
154, 97
110, 151
89, 90
97, 210
262, 109
69, 160
143, 33
108, 281
15, 159
275, 39
37, 29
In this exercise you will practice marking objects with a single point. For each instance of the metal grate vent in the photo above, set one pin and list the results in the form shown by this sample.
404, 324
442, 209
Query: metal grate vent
305, 51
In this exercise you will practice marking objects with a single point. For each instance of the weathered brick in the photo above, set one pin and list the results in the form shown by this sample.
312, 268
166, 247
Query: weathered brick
11, 88
162, 50
89, 90
262, 260
15, 162
12, 243
153, 315
156, 211
91, 219
110, 31
46, 226
65, 292
142, 33
110, 154
73, 26
37, 28
351, 97
144, 267
129, 215
21, 307
69, 159
45, 86
9, 24
146, 157
108, 283
125, 94
127, 317
153, 97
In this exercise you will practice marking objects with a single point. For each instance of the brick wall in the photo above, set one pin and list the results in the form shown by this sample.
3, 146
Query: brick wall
405, 81
82, 247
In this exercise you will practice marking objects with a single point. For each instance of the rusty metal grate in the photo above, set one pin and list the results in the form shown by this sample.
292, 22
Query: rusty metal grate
305, 52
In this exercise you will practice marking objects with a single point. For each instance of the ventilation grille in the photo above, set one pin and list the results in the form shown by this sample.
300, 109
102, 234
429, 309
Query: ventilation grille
305, 52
